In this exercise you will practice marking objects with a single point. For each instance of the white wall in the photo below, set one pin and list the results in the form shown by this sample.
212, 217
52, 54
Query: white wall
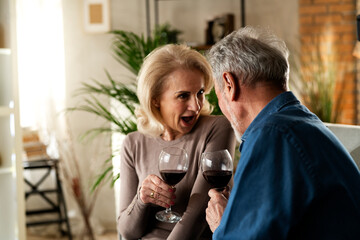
191, 16
349, 135
279, 15
87, 55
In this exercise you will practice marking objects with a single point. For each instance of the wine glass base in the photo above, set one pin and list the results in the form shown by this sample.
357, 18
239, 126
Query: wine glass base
168, 216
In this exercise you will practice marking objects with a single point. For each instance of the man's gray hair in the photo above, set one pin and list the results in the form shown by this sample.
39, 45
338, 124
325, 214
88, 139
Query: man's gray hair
251, 55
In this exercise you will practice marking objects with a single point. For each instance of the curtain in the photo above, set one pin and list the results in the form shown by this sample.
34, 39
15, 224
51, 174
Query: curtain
41, 68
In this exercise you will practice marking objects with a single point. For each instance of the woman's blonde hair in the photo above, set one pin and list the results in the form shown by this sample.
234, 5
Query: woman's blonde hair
157, 66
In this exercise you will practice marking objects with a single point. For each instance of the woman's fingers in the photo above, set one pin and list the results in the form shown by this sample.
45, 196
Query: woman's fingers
161, 187
158, 199
154, 190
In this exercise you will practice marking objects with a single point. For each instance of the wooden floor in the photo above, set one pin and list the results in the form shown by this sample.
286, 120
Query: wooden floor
106, 236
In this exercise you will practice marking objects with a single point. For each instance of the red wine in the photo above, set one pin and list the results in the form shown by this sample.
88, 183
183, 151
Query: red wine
217, 178
172, 177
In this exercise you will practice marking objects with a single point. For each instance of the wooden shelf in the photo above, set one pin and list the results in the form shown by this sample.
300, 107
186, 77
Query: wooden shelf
202, 47
156, 15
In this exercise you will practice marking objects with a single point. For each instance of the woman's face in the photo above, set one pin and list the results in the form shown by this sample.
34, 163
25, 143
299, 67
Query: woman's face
181, 102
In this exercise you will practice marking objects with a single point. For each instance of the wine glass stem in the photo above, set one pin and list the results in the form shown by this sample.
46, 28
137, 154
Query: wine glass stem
168, 209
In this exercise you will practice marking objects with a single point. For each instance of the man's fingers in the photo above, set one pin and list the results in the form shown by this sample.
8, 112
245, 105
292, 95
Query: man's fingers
212, 217
216, 195
226, 192
215, 209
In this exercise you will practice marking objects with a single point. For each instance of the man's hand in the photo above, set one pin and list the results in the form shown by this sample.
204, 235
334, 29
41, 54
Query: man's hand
216, 207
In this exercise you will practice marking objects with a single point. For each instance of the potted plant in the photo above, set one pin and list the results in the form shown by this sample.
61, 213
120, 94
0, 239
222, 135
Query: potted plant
314, 78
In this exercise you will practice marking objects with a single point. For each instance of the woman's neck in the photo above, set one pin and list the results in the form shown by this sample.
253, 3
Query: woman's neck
170, 135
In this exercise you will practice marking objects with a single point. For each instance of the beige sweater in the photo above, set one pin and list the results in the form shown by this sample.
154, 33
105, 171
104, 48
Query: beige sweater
140, 158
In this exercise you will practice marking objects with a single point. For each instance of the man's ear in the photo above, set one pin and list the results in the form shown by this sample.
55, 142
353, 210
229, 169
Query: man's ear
231, 87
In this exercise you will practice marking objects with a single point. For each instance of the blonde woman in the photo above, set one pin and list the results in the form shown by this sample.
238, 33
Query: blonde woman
173, 111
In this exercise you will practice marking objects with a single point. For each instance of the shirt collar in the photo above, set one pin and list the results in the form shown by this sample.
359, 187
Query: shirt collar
275, 105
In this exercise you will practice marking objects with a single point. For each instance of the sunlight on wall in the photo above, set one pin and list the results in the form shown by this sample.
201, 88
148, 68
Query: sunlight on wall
40, 62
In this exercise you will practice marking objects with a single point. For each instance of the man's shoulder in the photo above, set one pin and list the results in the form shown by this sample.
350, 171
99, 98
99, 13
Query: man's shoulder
292, 118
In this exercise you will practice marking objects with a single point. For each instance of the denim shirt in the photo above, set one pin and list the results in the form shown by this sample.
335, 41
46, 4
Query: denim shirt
294, 180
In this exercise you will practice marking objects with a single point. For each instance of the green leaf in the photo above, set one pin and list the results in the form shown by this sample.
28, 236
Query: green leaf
101, 177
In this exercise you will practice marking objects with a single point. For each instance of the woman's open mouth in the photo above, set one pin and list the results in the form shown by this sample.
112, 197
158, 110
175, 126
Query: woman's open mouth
189, 120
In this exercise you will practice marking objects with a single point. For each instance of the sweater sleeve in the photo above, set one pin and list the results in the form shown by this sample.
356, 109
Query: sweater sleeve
221, 137
193, 224
133, 212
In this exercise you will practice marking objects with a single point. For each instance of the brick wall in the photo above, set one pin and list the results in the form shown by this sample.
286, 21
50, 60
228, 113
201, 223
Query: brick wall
325, 23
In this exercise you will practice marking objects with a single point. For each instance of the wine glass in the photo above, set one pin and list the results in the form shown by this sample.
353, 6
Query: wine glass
217, 168
173, 165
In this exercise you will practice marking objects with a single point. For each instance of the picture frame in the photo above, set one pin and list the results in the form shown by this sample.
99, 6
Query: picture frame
219, 27
96, 16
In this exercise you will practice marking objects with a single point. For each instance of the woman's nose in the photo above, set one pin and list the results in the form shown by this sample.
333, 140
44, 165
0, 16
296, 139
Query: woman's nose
195, 105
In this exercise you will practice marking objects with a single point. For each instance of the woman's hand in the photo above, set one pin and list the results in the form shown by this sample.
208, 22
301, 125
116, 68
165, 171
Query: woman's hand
156, 191
216, 207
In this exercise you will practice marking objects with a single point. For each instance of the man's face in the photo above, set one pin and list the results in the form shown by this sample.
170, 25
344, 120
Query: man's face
220, 95
226, 110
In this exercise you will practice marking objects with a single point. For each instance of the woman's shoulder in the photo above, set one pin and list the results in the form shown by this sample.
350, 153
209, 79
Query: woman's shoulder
136, 137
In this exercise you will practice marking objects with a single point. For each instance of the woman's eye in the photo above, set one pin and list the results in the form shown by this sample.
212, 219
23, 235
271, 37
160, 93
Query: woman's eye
201, 92
183, 96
